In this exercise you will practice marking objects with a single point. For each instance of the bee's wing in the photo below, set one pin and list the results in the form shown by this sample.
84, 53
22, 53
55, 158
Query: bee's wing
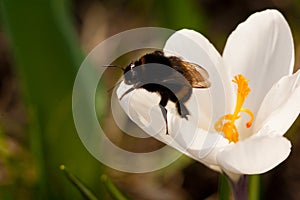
196, 75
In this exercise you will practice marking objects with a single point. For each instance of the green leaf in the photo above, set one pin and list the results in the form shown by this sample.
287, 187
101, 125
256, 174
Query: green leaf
47, 55
181, 14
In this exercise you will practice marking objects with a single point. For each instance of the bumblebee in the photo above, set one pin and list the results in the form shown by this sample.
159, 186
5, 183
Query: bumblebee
173, 82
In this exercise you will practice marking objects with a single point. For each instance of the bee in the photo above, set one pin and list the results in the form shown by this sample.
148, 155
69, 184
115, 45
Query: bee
173, 82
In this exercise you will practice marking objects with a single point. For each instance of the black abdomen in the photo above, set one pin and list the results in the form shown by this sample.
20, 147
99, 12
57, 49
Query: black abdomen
174, 92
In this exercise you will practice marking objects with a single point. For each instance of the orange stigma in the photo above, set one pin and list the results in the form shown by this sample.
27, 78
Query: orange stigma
226, 123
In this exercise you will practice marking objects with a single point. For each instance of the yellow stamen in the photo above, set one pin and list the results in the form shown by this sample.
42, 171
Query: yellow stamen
225, 123
249, 123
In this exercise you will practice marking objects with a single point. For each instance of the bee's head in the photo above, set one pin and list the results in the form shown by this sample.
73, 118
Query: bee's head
131, 73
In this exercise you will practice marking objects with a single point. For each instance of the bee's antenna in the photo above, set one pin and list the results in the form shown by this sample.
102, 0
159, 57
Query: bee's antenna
115, 66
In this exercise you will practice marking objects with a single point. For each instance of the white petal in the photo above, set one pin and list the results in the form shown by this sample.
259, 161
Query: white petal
184, 135
255, 155
206, 146
281, 106
143, 109
194, 47
262, 50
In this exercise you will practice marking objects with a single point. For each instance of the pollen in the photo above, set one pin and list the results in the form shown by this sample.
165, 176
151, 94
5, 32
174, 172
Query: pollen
226, 123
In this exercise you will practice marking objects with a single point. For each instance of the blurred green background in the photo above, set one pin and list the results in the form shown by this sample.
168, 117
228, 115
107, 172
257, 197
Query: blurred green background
42, 44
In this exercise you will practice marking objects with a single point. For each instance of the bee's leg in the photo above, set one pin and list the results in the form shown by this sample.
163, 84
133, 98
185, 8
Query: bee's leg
182, 109
128, 91
137, 85
162, 104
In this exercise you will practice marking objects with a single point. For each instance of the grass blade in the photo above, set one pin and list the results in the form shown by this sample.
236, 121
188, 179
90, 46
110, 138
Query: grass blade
83, 189
112, 189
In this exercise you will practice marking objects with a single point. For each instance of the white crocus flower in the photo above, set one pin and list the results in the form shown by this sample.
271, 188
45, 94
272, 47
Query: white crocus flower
255, 72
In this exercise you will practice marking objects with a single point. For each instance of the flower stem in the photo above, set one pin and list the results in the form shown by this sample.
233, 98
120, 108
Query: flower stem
240, 188
224, 188
254, 187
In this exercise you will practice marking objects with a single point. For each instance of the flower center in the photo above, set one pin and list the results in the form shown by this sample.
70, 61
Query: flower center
225, 123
